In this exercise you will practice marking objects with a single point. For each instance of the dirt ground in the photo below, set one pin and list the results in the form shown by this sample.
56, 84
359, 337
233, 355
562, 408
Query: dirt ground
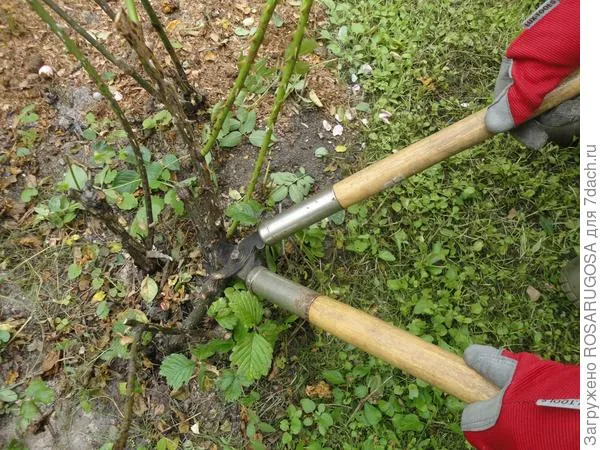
209, 51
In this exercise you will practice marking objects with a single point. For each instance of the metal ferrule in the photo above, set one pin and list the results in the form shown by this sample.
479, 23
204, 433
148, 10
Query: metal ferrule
281, 291
299, 216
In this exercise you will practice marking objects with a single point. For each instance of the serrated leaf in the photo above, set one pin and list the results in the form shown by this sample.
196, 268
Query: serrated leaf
29, 411
204, 351
279, 194
39, 392
77, 182
149, 123
177, 369
256, 137
296, 193
246, 213
73, 271
248, 123
253, 356
246, 308
89, 134
148, 289
231, 140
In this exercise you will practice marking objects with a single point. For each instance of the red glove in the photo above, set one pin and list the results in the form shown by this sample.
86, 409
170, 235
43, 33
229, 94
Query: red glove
545, 53
536, 409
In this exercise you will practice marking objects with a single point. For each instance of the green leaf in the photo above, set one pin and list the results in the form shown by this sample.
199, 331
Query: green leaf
307, 46
22, 152
407, 422
231, 384
73, 271
372, 414
333, 377
321, 152
171, 162
127, 201
173, 201
89, 134
126, 181
80, 177
177, 369
308, 405
204, 351
252, 355
231, 140
39, 392
246, 213
148, 289
386, 255
149, 123
102, 310
29, 411
279, 194
4, 336
296, 193
357, 28
257, 137
246, 308
8, 396
28, 193
249, 123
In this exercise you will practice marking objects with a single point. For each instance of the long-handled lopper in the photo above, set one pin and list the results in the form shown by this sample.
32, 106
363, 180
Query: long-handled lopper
413, 355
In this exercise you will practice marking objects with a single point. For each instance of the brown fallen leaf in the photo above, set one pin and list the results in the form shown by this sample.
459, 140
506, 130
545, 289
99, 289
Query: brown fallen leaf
319, 390
11, 377
31, 241
169, 6
512, 214
533, 293
50, 360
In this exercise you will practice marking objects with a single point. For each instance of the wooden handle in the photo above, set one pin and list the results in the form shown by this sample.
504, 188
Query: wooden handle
413, 355
421, 155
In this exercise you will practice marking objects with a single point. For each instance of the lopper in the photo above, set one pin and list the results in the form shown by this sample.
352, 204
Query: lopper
439, 367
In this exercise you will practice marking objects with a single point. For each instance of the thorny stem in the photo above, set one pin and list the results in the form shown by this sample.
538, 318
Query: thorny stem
107, 9
121, 443
103, 88
241, 78
288, 70
187, 88
133, 34
101, 48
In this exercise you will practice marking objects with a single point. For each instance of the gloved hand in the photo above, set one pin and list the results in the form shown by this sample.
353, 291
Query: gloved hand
545, 53
537, 407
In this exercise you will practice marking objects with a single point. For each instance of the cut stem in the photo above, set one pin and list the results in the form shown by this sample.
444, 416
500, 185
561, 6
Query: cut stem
241, 78
101, 48
103, 88
292, 56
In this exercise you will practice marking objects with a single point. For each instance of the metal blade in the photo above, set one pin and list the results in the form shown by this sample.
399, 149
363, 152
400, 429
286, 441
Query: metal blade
240, 255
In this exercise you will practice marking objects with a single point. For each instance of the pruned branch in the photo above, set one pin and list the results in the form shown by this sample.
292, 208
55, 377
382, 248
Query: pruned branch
126, 68
242, 75
103, 88
288, 70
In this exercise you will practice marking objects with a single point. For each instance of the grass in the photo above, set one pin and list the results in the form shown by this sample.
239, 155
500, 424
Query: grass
468, 237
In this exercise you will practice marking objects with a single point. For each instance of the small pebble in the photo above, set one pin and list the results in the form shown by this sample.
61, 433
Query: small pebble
46, 71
